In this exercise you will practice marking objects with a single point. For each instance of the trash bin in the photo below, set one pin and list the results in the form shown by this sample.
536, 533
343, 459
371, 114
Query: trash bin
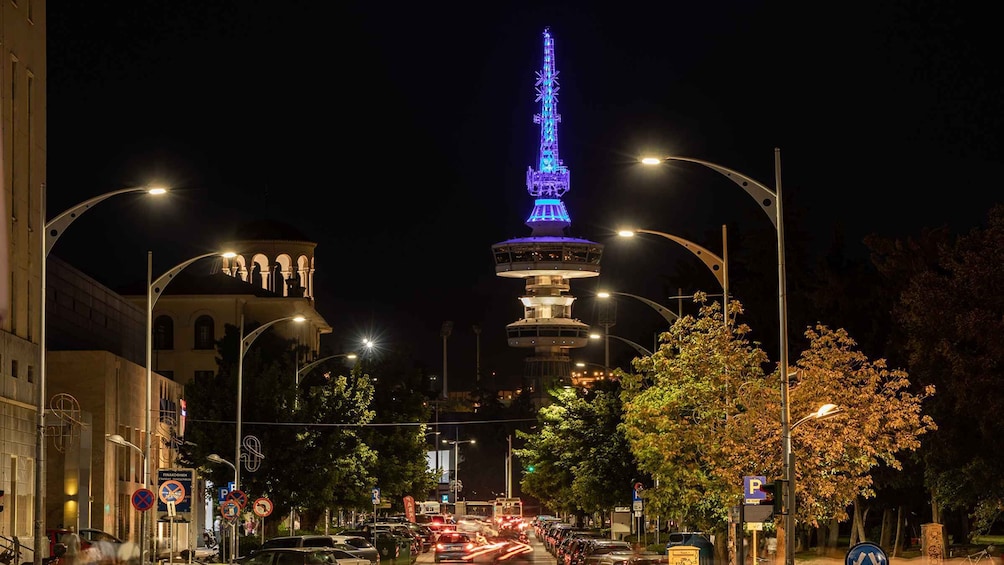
706, 549
395, 549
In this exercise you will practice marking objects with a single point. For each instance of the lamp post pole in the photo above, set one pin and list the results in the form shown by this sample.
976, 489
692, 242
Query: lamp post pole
456, 464
770, 203
640, 349
304, 369
119, 440
246, 342
719, 266
53, 229
214, 458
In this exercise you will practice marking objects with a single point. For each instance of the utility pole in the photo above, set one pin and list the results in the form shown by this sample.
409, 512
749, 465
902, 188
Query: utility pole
477, 369
446, 330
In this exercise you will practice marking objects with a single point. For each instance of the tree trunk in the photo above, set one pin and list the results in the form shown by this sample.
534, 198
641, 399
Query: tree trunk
834, 532
899, 531
886, 531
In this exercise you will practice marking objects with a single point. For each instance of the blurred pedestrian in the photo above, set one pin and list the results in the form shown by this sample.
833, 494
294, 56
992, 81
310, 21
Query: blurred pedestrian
71, 539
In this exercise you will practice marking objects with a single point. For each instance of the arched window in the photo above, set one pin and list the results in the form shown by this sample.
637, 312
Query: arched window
163, 333
204, 334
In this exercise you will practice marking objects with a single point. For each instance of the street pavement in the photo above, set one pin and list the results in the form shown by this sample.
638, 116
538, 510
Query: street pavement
539, 556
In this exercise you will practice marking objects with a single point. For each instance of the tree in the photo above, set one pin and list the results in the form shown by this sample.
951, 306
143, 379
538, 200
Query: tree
398, 431
701, 413
950, 314
312, 455
580, 461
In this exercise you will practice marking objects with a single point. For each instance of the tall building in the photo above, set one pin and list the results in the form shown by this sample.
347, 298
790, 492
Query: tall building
23, 157
548, 259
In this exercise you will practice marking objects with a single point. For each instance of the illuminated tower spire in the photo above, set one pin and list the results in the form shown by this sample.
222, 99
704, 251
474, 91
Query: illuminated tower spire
551, 180
548, 260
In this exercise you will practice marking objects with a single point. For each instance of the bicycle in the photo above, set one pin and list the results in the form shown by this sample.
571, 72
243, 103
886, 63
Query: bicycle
984, 554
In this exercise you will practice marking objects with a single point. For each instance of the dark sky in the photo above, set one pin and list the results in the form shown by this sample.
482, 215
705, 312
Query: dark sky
397, 136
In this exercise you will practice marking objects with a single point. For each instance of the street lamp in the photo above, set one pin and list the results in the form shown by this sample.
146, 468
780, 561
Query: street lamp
825, 412
154, 289
53, 229
246, 341
214, 458
666, 313
770, 202
456, 464
119, 440
644, 352
304, 369
719, 266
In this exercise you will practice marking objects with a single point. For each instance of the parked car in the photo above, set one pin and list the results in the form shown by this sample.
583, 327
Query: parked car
597, 548
643, 557
362, 547
302, 556
358, 548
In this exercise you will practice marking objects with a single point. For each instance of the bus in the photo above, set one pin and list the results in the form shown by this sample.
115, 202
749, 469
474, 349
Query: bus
506, 508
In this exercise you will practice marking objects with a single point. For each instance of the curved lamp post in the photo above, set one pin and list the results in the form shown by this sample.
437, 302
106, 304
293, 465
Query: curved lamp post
214, 458
246, 341
644, 352
825, 412
304, 369
719, 266
456, 465
119, 440
53, 229
666, 314
154, 289
770, 202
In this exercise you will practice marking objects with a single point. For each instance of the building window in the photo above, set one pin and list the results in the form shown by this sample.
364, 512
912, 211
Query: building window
13, 368
204, 333
31, 374
163, 334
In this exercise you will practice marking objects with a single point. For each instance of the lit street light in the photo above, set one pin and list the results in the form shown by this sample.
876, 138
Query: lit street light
825, 412
214, 458
306, 368
154, 289
770, 202
644, 352
119, 440
53, 229
246, 341
719, 266
456, 464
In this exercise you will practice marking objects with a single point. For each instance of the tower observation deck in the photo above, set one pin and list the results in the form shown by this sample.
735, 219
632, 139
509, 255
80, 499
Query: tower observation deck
548, 259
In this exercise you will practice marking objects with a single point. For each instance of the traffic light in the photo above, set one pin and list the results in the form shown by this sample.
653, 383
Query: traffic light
775, 496
530, 468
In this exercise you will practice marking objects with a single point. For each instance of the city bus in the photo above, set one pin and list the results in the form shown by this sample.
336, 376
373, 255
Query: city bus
505, 508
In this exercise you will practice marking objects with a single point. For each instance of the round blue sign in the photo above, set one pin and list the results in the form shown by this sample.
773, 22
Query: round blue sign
866, 553
142, 499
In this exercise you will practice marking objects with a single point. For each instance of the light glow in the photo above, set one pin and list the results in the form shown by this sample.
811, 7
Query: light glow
626, 233
650, 160
156, 190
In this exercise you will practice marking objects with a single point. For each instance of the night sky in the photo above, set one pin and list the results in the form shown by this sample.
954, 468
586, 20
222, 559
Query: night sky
397, 136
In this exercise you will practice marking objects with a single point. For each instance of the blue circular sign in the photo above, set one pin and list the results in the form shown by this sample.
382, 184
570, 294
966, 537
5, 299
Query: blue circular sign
142, 499
866, 553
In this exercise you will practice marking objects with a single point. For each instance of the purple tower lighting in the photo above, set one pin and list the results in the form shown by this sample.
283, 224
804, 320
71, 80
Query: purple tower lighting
548, 259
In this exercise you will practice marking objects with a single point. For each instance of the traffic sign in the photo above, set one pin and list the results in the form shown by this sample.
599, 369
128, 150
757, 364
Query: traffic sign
175, 477
142, 499
239, 497
230, 510
752, 493
172, 491
866, 553
262, 507
376, 496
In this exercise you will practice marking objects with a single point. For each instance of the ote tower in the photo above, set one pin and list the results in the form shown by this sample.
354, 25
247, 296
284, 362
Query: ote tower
547, 260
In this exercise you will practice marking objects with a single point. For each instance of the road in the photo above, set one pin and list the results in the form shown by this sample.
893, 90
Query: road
539, 556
